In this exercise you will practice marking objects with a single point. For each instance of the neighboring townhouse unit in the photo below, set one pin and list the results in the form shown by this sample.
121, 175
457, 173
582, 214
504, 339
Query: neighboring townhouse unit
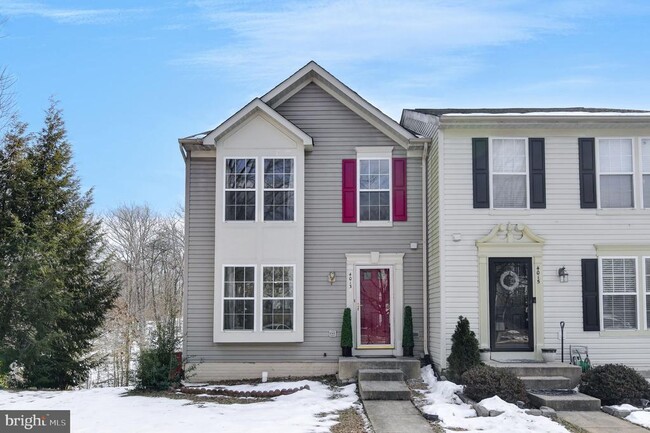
306, 201
536, 217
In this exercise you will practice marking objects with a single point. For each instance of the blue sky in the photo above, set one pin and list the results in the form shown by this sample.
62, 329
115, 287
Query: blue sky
133, 76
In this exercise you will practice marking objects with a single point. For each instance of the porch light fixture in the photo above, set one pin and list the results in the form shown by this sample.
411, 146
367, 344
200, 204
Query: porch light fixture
332, 277
563, 274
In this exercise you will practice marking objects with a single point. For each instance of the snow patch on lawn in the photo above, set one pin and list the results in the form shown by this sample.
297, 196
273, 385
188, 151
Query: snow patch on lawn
454, 414
640, 417
109, 410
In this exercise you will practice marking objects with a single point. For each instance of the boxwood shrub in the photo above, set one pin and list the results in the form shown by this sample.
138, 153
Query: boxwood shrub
614, 384
484, 381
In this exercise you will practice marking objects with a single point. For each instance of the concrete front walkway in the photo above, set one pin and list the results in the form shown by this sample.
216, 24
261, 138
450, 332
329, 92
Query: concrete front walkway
600, 422
397, 416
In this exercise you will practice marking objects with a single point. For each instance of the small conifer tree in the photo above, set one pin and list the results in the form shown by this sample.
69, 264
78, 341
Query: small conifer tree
407, 337
464, 350
346, 332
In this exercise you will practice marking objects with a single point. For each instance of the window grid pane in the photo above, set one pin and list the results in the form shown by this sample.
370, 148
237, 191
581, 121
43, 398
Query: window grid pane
645, 170
616, 178
240, 189
239, 298
619, 311
374, 190
619, 286
279, 197
647, 290
277, 298
619, 275
509, 155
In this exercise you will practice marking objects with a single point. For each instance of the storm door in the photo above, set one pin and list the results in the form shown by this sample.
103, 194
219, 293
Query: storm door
374, 314
511, 305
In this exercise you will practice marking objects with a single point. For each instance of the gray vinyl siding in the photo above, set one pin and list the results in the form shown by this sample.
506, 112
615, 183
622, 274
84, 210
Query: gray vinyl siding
570, 234
200, 250
336, 132
433, 251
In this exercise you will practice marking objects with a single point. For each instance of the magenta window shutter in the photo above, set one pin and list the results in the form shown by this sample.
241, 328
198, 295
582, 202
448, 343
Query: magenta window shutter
349, 190
399, 189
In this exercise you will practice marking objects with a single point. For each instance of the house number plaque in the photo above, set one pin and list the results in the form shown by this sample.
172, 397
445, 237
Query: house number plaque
537, 272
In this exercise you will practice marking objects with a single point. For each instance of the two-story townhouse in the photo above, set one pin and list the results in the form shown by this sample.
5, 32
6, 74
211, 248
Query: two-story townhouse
536, 217
306, 201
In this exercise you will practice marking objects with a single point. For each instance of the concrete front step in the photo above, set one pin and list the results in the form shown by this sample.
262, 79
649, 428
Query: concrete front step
383, 390
541, 369
565, 402
384, 374
349, 367
546, 382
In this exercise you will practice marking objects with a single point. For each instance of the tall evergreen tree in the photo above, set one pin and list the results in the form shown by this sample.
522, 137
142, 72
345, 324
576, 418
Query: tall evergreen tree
54, 277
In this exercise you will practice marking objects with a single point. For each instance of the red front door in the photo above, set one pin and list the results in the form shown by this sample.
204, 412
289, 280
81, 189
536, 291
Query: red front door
375, 306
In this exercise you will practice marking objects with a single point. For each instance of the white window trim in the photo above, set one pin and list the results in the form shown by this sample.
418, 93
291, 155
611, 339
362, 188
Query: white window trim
223, 298
262, 299
642, 204
601, 294
375, 152
225, 190
264, 189
491, 171
258, 335
635, 169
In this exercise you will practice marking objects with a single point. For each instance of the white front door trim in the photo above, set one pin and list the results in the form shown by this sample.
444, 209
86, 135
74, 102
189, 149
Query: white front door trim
374, 260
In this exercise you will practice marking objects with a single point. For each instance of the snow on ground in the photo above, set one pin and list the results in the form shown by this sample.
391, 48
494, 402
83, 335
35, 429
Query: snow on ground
640, 417
454, 414
109, 410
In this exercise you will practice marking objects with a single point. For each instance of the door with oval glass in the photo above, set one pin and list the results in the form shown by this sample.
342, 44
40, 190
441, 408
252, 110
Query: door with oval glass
511, 305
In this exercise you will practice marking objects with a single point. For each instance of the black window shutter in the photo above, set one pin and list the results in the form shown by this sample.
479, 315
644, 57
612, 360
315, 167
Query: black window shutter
481, 173
590, 296
536, 158
587, 156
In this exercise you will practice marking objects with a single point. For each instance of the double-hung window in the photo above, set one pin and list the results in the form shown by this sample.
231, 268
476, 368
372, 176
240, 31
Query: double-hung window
374, 189
616, 172
240, 189
619, 292
509, 173
646, 283
645, 171
277, 297
279, 191
239, 298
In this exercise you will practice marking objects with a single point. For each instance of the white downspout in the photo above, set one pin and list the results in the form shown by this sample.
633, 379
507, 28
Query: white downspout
425, 248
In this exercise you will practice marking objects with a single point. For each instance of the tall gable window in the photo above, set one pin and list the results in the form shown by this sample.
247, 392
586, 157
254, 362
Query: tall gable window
509, 173
279, 190
616, 172
645, 170
238, 298
374, 189
240, 189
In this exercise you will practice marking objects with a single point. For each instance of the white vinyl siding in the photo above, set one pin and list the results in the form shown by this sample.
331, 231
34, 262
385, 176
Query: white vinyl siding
509, 172
619, 292
646, 284
279, 190
616, 172
277, 297
645, 171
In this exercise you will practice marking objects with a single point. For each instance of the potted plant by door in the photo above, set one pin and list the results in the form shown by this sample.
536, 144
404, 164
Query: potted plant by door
346, 333
484, 352
407, 336
548, 354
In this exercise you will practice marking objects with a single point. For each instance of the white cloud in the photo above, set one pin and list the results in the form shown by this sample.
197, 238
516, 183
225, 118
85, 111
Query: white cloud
64, 15
266, 41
